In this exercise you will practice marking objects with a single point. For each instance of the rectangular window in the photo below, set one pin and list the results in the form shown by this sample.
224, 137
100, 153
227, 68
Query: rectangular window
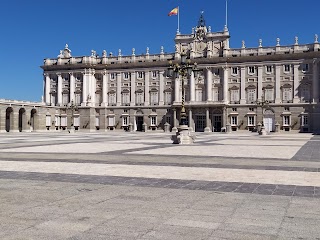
286, 94
216, 94
234, 109
154, 98
251, 70
97, 121
112, 98
304, 120
251, 109
269, 94
234, 95
305, 67
251, 95
167, 98
168, 119
286, 120
126, 75
235, 71
305, 94
140, 75
287, 68
251, 120
124, 121
154, 74
125, 98
153, 121
139, 98
234, 120
48, 120
269, 69
199, 95
216, 72
111, 122
112, 76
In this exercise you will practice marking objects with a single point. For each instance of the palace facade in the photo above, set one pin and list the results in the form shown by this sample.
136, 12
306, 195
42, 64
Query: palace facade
237, 89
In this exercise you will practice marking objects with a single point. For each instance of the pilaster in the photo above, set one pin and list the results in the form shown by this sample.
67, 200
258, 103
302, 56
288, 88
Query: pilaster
72, 87
209, 84
161, 88
192, 88
104, 89
84, 88
47, 88
243, 85
296, 83
59, 93
225, 84
147, 88
277, 84
118, 89
315, 82
260, 72
133, 88
177, 89
208, 125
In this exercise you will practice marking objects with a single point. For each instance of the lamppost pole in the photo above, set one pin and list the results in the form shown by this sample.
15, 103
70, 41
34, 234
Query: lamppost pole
262, 105
73, 107
183, 70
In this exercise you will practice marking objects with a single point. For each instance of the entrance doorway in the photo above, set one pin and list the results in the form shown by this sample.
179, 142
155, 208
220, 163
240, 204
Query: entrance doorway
217, 123
22, 115
268, 121
139, 121
200, 123
9, 119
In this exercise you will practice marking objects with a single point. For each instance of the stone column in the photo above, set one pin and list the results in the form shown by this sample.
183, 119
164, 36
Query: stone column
72, 87
59, 93
243, 86
315, 82
260, 72
208, 125
104, 89
133, 89
147, 88
209, 84
296, 83
47, 88
93, 89
177, 90
277, 84
15, 122
224, 117
118, 89
192, 88
225, 84
190, 120
161, 88
174, 129
84, 88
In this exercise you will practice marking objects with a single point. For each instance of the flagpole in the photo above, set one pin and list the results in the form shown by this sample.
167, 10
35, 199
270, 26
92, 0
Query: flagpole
178, 30
226, 13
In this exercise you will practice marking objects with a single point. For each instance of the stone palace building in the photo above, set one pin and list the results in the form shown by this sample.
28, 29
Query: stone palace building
276, 86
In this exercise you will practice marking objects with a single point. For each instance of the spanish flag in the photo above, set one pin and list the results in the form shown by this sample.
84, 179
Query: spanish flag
174, 11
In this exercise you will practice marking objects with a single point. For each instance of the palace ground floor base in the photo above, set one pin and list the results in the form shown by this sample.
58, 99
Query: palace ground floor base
141, 186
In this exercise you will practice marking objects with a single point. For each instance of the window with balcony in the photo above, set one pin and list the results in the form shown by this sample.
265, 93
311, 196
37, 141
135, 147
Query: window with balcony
167, 98
251, 121
234, 95
154, 99
269, 94
112, 99
125, 98
251, 95
139, 98
286, 94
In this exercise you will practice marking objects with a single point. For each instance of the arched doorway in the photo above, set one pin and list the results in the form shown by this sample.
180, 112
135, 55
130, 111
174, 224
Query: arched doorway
269, 120
22, 119
33, 118
217, 120
9, 119
139, 120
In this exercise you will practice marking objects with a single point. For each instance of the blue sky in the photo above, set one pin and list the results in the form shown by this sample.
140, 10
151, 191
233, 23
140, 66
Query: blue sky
37, 29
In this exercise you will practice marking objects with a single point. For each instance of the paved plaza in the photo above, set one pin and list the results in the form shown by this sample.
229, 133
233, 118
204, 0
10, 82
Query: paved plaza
118, 185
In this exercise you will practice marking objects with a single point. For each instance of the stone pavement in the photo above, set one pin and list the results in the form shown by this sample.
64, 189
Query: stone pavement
118, 185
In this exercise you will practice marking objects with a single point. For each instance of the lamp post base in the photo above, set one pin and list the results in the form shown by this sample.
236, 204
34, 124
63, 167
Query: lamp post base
262, 131
71, 130
183, 136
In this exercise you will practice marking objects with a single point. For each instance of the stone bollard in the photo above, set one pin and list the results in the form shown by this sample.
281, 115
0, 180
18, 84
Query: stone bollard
228, 128
277, 127
166, 127
130, 127
144, 127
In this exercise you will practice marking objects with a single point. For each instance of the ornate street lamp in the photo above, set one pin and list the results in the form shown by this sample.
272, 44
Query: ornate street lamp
184, 70
73, 108
262, 104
